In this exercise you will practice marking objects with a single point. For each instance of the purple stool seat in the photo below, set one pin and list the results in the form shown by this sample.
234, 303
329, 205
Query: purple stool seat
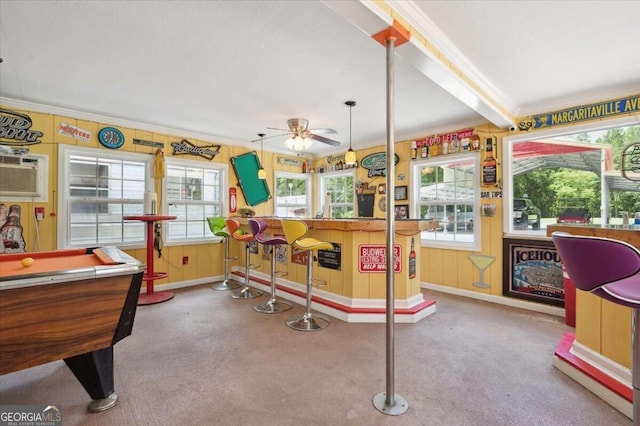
273, 305
609, 269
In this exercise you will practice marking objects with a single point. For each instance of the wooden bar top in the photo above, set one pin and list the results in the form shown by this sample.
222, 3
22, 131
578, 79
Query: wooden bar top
402, 226
630, 235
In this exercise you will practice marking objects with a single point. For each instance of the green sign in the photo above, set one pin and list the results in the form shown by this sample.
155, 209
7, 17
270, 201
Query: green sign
376, 163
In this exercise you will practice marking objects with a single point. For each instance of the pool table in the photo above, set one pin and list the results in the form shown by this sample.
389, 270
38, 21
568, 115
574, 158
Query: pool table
72, 305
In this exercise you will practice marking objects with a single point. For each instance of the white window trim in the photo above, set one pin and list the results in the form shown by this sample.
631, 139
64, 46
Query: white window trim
285, 175
477, 219
322, 188
224, 173
507, 161
64, 153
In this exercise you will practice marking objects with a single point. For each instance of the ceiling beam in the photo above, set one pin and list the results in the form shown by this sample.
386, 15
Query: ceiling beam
371, 19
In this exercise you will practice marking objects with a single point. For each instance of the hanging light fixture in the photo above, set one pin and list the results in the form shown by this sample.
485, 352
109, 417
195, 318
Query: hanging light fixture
350, 158
261, 172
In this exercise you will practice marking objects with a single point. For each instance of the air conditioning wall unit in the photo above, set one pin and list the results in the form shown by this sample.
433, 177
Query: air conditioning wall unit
20, 176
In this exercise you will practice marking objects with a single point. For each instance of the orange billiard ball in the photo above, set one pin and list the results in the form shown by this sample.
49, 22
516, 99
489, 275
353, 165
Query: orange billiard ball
27, 261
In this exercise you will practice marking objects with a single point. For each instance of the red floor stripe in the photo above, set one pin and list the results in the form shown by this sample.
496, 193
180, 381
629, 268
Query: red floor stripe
563, 351
400, 311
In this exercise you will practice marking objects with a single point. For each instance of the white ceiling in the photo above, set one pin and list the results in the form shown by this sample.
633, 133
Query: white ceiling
227, 70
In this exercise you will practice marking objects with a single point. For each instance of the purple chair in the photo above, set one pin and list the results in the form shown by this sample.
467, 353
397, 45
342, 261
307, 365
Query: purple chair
272, 306
609, 269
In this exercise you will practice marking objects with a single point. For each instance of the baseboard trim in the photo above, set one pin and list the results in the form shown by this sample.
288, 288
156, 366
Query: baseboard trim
508, 301
614, 392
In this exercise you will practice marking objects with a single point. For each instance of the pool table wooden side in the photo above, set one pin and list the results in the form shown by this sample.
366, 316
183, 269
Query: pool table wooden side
40, 324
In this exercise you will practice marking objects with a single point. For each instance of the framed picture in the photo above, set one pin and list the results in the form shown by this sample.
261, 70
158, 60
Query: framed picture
382, 188
402, 211
532, 271
400, 192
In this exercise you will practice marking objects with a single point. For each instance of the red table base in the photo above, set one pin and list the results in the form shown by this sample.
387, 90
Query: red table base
150, 275
157, 297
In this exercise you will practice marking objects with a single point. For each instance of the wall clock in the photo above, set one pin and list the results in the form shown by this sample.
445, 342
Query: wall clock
110, 137
382, 204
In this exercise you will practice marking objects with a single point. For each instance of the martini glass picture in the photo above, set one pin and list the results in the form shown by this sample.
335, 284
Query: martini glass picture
481, 262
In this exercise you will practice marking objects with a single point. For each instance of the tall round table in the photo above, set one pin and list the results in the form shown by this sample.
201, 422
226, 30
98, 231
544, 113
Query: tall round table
150, 275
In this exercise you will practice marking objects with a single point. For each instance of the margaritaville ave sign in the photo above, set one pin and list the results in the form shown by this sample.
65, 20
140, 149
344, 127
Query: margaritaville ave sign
587, 112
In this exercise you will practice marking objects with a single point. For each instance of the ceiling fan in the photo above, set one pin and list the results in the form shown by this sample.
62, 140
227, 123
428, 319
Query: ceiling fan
301, 137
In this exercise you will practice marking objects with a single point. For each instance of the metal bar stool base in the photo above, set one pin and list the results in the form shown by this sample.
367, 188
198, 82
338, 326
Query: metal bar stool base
400, 407
226, 285
98, 405
273, 306
246, 293
308, 322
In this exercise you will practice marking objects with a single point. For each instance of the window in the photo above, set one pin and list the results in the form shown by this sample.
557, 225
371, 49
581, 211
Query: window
194, 192
97, 189
553, 176
292, 195
339, 189
447, 190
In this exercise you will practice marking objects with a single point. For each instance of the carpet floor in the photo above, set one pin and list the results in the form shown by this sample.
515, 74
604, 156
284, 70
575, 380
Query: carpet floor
206, 359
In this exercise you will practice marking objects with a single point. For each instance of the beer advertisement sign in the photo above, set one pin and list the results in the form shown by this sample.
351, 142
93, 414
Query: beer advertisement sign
533, 271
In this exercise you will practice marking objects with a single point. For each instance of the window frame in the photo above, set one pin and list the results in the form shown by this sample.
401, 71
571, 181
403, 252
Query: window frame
308, 192
65, 152
223, 169
415, 176
322, 190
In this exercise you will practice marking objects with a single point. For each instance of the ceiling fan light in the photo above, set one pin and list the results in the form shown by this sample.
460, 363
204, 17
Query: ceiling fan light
350, 158
262, 174
298, 143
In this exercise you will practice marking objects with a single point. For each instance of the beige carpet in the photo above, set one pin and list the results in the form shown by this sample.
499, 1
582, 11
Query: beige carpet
206, 359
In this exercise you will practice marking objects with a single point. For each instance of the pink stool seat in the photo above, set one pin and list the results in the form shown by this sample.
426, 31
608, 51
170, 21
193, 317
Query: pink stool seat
624, 292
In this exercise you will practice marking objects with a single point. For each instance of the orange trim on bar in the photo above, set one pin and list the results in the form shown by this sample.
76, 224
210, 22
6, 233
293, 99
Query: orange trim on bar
396, 30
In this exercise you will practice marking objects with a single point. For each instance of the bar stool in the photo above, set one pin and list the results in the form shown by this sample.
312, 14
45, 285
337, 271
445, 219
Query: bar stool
609, 269
246, 292
218, 227
272, 306
294, 232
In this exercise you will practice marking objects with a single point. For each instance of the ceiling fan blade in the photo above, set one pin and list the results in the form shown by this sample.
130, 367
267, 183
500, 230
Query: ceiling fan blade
324, 140
276, 128
272, 136
323, 131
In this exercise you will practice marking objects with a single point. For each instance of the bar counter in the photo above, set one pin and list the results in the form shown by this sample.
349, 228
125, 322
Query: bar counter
352, 293
603, 328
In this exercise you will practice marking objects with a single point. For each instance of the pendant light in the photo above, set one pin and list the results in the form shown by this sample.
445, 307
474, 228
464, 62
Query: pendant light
350, 157
261, 172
